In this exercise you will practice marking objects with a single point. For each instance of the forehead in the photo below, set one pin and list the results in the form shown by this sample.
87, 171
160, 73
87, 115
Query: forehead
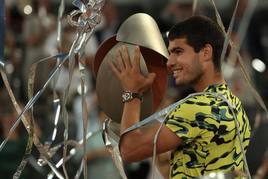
178, 43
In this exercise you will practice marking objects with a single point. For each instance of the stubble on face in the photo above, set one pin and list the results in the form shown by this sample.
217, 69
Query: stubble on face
191, 74
184, 62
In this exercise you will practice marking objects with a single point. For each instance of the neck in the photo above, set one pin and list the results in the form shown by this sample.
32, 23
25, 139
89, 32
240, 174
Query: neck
208, 79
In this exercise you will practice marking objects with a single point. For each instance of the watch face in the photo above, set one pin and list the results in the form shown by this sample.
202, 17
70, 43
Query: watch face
126, 96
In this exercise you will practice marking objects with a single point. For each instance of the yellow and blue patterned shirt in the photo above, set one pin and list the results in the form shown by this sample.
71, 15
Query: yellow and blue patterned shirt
207, 128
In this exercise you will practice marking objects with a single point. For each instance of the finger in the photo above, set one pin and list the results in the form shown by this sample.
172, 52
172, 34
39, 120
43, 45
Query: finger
137, 57
125, 56
148, 81
116, 71
150, 78
120, 61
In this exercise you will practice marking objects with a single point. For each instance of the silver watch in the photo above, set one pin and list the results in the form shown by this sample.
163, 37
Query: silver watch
128, 96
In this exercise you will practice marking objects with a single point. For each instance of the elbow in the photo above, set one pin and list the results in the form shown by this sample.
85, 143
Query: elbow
129, 150
126, 159
132, 147
125, 152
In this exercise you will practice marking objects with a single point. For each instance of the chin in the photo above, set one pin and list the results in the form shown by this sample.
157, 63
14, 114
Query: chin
180, 83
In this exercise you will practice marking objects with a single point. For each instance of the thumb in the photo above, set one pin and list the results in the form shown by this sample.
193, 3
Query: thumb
148, 82
150, 78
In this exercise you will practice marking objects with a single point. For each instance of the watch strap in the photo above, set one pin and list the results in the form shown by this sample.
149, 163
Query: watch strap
128, 96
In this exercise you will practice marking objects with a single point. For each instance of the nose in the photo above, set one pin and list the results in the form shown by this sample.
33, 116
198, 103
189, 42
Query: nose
169, 62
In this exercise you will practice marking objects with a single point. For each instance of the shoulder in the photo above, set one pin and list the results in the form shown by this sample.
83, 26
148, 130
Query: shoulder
193, 104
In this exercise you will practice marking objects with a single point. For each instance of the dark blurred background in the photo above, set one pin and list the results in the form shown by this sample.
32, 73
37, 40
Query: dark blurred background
31, 34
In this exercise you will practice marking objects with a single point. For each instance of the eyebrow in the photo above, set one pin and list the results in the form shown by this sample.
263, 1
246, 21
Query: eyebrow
174, 49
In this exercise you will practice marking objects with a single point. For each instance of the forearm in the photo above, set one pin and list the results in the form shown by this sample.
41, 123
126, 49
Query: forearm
128, 141
131, 114
135, 145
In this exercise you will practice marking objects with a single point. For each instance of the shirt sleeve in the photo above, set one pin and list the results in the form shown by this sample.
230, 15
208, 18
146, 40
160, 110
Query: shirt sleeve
188, 120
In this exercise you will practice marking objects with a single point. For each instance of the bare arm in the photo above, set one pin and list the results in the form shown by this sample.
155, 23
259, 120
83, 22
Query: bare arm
138, 144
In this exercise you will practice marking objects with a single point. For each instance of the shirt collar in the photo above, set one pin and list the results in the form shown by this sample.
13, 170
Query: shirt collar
216, 87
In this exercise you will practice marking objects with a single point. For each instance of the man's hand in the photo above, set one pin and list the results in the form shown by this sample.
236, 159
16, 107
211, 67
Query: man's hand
130, 74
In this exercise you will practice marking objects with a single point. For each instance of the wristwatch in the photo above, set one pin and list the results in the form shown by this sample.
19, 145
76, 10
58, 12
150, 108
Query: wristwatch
128, 96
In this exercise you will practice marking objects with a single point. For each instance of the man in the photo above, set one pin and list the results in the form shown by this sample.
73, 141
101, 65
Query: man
201, 131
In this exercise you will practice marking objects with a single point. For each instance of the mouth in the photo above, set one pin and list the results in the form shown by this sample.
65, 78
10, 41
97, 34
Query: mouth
177, 71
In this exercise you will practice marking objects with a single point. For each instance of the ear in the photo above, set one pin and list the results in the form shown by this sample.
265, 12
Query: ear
207, 52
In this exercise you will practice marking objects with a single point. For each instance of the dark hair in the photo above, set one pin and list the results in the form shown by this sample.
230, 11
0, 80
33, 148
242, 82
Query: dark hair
198, 31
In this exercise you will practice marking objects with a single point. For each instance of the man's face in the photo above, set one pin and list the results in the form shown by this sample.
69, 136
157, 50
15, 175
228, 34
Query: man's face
184, 62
